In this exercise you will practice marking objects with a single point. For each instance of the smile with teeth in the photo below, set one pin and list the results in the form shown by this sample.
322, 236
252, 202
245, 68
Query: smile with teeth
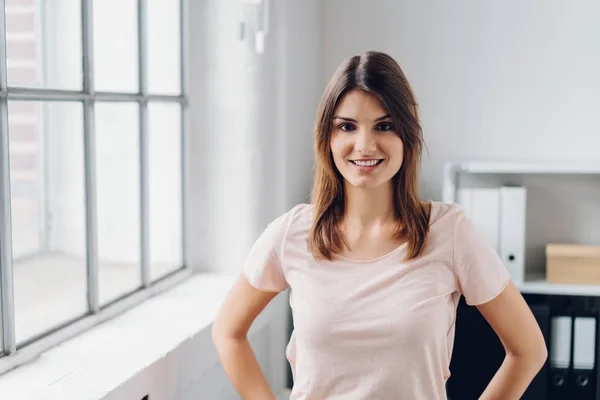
365, 163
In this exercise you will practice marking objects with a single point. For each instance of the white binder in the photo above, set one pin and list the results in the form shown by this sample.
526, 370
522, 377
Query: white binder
513, 200
482, 207
560, 343
584, 351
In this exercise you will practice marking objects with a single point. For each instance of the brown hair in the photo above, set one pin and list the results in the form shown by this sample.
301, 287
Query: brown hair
379, 74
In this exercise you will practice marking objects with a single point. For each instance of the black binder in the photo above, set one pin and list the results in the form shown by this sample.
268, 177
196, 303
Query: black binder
560, 352
584, 353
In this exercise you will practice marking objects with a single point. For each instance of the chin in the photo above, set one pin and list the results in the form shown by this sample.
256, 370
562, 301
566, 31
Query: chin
365, 183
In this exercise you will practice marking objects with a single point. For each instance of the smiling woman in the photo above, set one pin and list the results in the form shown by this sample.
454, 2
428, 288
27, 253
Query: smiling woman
368, 137
375, 273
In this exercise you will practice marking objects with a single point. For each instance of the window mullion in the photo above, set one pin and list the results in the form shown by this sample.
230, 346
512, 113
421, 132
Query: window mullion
7, 302
144, 145
185, 128
93, 286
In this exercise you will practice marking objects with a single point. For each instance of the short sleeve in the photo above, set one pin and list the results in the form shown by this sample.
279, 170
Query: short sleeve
263, 264
480, 272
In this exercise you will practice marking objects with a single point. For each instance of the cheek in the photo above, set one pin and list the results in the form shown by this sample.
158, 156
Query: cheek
396, 149
400, 152
339, 147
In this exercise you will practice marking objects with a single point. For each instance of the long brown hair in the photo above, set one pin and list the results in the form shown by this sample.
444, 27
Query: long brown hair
379, 74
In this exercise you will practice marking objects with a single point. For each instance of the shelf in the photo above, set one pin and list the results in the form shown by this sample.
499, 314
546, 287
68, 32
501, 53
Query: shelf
526, 168
533, 284
540, 286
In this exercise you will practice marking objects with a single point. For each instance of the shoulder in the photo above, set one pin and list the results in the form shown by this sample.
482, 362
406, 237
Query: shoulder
450, 222
444, 216
443, 220
288, 233
292, 222
301, 213
279, 231
300, 219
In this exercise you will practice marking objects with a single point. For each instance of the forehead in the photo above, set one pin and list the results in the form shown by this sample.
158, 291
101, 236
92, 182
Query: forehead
359, 104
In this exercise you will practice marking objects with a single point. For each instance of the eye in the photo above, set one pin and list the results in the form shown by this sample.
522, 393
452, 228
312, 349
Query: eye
346, 127
385, 126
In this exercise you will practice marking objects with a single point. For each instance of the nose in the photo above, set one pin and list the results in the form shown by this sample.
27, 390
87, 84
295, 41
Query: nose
365, 142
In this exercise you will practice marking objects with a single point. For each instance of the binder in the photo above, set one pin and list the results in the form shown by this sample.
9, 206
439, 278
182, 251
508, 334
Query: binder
463, 197
513, 201
583, 384
560, 357
482, 207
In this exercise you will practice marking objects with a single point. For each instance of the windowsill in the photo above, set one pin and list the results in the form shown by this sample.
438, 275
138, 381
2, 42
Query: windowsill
93, 364
62, 278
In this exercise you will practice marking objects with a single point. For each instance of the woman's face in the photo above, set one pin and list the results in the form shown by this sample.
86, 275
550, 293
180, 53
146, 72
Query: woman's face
366, 149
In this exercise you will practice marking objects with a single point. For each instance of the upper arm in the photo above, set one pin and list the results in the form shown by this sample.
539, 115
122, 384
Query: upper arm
511, 318
242, 305
262, 278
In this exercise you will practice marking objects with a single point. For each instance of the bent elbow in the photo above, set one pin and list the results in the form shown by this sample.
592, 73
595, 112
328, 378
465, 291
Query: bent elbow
542, 356
534, 355
542, 351
537, 356
220, 333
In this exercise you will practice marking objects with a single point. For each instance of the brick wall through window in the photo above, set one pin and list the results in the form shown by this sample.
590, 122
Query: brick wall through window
23, 63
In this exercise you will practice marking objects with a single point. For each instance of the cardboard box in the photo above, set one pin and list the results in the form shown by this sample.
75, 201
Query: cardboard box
573, 264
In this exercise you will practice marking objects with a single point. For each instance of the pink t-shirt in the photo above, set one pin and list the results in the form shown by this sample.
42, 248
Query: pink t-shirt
380, 329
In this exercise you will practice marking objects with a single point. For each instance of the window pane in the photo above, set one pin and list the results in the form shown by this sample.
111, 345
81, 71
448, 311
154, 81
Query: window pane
48, 214
164, 47
116, 45
43, 44
118, 191
165, 188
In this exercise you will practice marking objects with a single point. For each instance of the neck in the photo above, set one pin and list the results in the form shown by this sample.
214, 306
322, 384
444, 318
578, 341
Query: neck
368, 207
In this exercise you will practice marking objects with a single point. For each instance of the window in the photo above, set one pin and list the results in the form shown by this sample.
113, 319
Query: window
92, 133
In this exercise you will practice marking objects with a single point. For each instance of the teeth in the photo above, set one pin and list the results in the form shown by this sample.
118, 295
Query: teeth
369, 163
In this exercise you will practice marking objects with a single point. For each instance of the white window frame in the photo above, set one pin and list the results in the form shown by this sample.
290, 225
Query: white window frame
11, 354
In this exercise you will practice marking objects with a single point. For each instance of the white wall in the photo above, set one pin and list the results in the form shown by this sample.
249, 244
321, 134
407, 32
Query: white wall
251, 121
506, 80
301, 57
233, 143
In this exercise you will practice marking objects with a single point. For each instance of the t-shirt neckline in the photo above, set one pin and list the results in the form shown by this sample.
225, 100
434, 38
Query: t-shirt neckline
400, 247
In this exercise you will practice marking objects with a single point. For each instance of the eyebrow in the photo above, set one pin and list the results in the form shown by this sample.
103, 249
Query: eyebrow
386, 116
